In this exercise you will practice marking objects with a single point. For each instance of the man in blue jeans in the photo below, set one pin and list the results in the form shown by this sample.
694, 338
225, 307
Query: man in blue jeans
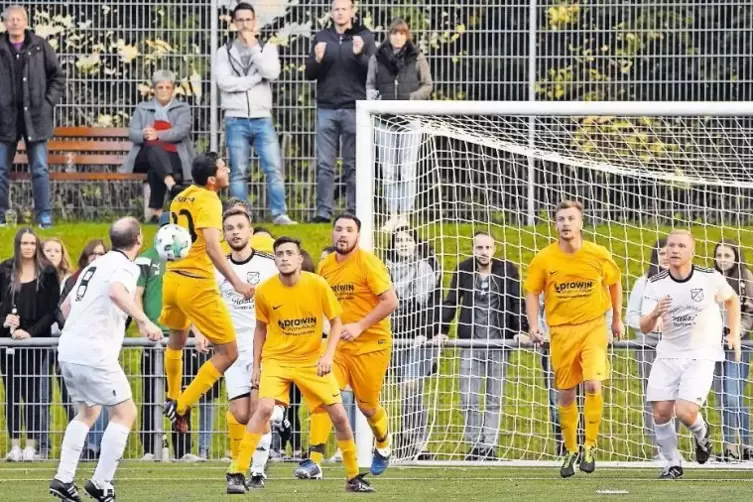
339, 62
244, 70
31, 84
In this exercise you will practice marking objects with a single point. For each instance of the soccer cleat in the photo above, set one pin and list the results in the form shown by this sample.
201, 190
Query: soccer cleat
308, 469
703, 448
236, 484
64, 491
587, 460
672, 472
106, 494
358, 485
180, 422
568, 465
15, 454
256, 481
380, 459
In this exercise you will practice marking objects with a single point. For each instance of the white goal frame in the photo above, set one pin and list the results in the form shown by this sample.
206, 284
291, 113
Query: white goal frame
366, 190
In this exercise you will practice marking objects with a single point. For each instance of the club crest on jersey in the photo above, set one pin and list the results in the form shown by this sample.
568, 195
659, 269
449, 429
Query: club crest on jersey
253, 278
696, 294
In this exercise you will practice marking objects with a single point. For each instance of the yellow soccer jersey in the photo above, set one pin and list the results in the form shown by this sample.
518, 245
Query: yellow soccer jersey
358, 282
295, 318
574, 285
196, 208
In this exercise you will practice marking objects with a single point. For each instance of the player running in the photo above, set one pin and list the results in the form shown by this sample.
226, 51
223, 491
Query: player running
254, 267
190, 294
683, 303
95, 312
363, 287
580, 282
290, 313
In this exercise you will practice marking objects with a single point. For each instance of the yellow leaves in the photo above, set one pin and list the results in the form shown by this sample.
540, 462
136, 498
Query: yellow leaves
268, 10
159, 49
194, 79
460, 29
126, 52
104, 121
559, 16
88, 63
48, 30
144, 90
289, 32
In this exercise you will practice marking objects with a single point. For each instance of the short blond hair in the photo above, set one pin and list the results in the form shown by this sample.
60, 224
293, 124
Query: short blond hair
569, 204
682, 231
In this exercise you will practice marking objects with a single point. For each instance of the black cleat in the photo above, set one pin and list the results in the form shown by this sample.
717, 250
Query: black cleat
256, 481
106, 494
64, 491
236, 484
180, 422
703, 448
568, 465
358, 485
672, 472
587, 460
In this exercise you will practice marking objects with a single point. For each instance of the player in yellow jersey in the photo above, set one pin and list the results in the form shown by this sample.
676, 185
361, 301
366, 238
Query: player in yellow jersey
290, 312
190, 294
580, 282
363, 286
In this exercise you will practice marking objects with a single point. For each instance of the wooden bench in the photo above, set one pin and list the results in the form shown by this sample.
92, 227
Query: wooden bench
79, 147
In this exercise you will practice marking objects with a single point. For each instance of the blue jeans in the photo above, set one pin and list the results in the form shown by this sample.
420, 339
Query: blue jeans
40, 178
332, 126
240, 133
729, 392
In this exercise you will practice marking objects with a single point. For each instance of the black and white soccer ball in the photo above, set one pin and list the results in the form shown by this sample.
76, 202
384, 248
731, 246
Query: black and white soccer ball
172, 242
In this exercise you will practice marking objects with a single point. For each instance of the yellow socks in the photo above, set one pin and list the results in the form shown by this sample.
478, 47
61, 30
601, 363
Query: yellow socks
569, 425
350, 460
592, 412
320, 428
246, 451
174, 371
205, 379
236, 432
379, 427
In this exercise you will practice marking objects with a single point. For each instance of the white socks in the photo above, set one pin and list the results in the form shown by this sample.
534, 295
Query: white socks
261, 455
73, 443
113, 445
666, 438
698, 428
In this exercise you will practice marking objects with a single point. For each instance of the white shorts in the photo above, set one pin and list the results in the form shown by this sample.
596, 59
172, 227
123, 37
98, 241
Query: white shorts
686, 379
95, 386
238, 376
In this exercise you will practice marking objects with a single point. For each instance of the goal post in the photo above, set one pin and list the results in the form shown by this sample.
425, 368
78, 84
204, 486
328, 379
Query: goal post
440, 171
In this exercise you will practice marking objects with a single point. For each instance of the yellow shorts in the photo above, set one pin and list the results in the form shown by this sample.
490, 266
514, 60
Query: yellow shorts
186, 300
579, 353
364, 373
316, 390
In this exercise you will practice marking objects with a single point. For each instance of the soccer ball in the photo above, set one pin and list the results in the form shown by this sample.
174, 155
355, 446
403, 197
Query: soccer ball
172, 242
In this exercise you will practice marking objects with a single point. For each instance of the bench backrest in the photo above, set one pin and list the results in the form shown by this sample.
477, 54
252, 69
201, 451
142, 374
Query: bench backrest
83, 146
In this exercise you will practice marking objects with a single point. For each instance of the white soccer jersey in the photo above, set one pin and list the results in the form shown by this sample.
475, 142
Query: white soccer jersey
258, 268
94, 331
692, 328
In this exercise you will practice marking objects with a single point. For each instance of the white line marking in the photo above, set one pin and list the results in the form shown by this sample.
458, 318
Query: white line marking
340, 480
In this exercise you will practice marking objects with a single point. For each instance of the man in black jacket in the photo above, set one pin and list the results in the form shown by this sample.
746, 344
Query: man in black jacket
31, 84
487, 290
339, 62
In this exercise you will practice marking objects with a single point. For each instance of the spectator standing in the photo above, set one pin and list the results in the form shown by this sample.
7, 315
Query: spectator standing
29, 295
646, 354
56, 253
160, 131
417, 279
244, 71
32, 82
487, 290
731, 376
339, 63
398, 71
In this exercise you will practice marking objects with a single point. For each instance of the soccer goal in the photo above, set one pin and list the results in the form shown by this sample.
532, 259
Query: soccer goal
432, 174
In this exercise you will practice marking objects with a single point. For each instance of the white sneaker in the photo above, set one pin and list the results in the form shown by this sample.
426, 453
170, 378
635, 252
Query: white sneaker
15, 454
28, 454
284, 219
148, 457
337, 457
191, 458
390, 225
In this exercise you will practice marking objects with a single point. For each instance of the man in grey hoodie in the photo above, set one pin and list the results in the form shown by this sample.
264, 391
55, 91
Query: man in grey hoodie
244, 70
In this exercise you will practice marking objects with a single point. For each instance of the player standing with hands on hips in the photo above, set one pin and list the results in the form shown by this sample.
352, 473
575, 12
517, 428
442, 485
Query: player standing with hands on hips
580, 282
683, 301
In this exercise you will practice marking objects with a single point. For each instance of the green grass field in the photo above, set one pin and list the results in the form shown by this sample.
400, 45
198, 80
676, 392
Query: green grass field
200, 482
525, 430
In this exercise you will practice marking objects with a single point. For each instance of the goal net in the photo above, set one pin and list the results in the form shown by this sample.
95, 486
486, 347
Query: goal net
433, 174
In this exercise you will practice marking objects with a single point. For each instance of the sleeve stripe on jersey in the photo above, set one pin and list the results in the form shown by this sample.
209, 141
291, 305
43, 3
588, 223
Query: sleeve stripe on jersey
704, 269
263, 254
661, 275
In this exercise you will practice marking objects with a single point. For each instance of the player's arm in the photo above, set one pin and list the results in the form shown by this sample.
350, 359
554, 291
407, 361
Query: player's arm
652, 308
122, 298
535, 283
612, 278
731, 302
332, 311
260, 337
380, 283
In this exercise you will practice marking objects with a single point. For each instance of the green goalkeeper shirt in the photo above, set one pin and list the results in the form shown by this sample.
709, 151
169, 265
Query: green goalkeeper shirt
152, 269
